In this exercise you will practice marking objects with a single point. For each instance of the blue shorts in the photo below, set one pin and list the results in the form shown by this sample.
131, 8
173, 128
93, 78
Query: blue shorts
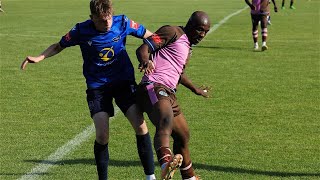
100, 99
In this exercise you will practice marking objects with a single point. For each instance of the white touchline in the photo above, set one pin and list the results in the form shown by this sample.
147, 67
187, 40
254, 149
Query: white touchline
51, 160
30, 35
225, 19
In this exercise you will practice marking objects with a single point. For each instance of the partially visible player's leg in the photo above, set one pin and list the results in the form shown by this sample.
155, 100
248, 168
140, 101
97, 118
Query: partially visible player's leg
162, 118
143, 139
101, 152
291, 5
282, 6
101, 109
156, 100
125, 98
181, 136
269, 20
255, 22
264, 32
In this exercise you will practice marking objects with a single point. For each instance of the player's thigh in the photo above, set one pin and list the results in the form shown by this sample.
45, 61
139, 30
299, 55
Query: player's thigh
156, 101
162, 114
124, 94
135, 117
264, 21
100, 100
255, 21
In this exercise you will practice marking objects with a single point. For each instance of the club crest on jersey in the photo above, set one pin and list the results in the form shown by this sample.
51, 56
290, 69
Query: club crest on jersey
89, 43
116, 39
163, 93
106, 54
156, 38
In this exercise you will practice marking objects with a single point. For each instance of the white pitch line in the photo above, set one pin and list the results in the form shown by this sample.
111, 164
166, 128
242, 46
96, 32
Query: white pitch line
51, 160
225, 19
30, 35
45, 165
55, 157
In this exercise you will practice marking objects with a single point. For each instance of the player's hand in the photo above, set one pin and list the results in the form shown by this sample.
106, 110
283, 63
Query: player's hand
275, 9
203, 91
147, 67
30, 59
253, 7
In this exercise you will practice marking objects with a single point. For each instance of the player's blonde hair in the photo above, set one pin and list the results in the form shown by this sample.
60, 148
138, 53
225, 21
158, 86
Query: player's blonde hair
101, 7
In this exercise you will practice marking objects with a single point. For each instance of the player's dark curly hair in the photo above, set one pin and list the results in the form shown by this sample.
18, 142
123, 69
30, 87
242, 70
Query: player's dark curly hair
101, 7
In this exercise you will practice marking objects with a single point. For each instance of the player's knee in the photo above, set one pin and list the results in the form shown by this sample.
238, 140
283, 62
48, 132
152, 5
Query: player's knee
102, 138
141, 129
166, 123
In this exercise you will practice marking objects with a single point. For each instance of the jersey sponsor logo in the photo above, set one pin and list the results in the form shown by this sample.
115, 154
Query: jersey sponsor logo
134, 25
67, 37
116, 39
156, 38
163, 93
106, 54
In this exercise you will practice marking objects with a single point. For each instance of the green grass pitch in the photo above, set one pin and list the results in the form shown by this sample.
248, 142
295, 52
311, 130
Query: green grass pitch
262, 121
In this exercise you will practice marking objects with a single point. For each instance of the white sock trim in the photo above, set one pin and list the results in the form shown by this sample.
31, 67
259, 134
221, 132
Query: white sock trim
186, 168
192, 178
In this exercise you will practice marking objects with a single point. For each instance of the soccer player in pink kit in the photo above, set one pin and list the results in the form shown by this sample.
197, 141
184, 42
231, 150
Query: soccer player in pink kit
163, 57
259, 11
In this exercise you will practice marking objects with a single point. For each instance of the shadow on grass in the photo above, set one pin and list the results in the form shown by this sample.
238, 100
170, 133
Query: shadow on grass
116, 163
121, 163
251, 171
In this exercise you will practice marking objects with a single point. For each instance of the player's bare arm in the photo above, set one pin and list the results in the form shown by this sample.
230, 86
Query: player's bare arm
250, 5
143, 55
147, 34
202, 91
50, 51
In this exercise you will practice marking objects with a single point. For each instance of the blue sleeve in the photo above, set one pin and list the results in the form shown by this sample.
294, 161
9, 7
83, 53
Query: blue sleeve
71, 38
133, 28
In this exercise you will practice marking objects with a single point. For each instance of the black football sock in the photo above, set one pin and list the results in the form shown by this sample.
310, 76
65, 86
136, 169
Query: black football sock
145, 153
101, 154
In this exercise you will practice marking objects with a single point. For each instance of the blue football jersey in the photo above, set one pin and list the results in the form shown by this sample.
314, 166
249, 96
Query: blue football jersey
105, 59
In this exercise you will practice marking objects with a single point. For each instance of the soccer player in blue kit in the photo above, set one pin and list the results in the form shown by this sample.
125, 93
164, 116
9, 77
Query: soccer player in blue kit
109, 75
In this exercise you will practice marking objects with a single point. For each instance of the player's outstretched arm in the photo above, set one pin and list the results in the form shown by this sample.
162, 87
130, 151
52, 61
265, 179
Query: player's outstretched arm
50, 51
250, 5
202, 91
